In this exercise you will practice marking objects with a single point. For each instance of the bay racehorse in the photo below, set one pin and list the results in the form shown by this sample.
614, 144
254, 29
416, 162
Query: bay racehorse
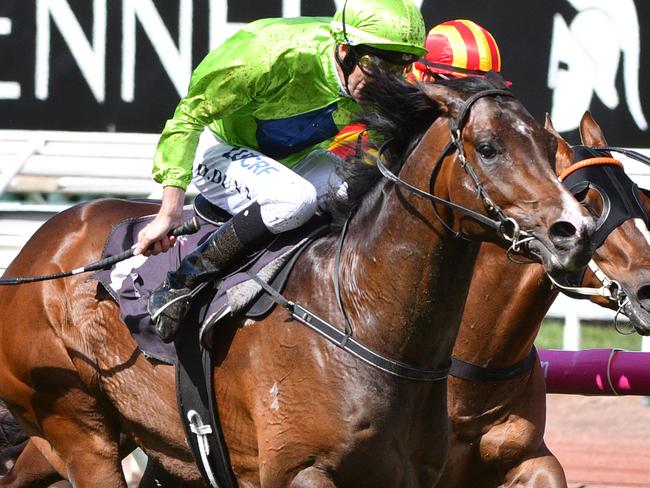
296, 410
497, 409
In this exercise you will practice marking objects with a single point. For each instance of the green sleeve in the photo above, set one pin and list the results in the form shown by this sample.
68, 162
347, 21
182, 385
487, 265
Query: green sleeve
222, 84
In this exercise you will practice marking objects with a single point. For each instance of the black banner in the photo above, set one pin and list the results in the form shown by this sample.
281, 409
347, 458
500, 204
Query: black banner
122, 65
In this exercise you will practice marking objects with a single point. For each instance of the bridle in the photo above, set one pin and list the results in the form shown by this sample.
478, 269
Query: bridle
610, 289
506, 226
604, 174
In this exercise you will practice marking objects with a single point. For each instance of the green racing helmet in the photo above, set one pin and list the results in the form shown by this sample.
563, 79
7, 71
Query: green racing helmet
390, 25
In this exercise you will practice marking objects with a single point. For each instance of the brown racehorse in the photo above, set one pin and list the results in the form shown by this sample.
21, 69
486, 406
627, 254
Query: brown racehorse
296, 410
528, 458
497, 427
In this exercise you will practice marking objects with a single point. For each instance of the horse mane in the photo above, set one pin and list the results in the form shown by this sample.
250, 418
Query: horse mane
397, 113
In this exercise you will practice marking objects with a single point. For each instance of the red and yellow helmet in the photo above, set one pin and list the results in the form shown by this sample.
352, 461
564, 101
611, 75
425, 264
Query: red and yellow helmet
458, 48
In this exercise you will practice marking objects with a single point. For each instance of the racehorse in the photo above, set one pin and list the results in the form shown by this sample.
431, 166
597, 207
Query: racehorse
297, 410
497, 417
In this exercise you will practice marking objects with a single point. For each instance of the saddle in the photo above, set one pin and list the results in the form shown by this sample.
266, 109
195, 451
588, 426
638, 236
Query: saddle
130, 282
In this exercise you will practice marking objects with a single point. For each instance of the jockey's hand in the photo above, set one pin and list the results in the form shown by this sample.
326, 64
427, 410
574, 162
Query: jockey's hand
153, 239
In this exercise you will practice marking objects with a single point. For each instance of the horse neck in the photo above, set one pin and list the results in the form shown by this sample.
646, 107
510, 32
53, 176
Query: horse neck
404, 278
504, 310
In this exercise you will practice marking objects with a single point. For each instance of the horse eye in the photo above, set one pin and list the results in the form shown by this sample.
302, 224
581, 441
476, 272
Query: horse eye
486, 150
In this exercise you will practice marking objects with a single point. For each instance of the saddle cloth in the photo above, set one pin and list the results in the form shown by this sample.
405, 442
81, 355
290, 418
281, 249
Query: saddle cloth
131, 281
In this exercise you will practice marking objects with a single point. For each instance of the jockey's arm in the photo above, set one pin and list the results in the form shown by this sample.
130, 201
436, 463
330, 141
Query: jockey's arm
153, 239
220, 85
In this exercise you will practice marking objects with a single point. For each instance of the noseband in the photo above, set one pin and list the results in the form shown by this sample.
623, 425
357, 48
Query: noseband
506, 226
597, 170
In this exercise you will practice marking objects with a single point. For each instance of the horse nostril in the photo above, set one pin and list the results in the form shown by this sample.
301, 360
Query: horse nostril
643, 295
562, 231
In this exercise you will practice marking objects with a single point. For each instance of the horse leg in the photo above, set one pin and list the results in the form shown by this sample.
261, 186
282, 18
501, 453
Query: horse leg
31, 470
541, 470
91, 456
83, 448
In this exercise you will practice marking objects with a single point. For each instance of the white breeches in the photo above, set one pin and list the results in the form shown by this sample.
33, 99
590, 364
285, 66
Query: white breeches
232, 178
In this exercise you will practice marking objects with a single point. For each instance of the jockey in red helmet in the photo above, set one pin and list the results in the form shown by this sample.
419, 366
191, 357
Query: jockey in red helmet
456, 49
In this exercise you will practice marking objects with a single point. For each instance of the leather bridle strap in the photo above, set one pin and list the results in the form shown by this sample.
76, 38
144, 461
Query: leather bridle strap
491, 223
508, 227
344, 341
468, 371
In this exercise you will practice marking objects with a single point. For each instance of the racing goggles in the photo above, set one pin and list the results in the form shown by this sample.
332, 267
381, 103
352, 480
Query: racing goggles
371, 60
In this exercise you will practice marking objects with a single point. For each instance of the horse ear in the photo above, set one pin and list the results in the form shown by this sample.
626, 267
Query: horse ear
590, 132
448, 100
548, 125
563, 153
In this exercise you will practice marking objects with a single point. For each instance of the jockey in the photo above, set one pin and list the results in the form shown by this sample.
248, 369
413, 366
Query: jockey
456, 49
271, 94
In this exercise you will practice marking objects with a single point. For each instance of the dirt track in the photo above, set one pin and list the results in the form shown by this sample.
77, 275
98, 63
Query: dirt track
600, 441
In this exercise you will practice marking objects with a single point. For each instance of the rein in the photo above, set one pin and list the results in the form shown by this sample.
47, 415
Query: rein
344, 339
504, 225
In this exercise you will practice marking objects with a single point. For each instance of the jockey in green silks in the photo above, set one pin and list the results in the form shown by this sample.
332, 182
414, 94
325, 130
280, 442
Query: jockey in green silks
272, 94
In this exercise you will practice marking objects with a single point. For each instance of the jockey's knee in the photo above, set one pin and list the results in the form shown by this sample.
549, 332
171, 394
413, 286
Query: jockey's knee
288, 211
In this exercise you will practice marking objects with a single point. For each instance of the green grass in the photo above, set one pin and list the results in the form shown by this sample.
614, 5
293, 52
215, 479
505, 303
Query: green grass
594, 335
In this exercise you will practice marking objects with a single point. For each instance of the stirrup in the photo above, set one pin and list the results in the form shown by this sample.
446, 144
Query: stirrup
167, 325
187, 297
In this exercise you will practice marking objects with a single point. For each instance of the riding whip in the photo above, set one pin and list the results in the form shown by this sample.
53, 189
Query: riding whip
188, 227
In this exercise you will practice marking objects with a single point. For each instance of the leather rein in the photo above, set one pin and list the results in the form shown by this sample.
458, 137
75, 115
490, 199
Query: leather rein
506, 226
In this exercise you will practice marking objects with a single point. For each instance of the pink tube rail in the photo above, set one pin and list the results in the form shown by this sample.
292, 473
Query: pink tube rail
596, 372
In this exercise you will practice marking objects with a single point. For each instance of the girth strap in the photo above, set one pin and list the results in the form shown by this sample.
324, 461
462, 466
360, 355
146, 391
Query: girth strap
195, 395
469, 371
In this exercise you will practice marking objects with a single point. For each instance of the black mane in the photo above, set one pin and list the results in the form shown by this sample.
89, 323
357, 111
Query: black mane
397, 113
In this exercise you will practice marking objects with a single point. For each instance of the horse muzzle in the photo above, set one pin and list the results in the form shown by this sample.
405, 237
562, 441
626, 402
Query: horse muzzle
566, 247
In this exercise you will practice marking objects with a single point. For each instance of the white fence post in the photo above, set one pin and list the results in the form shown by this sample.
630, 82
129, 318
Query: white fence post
14, 167
571, 333
645, 343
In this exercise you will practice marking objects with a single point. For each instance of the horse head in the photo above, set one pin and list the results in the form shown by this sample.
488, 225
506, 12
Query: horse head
500, 164
621, 265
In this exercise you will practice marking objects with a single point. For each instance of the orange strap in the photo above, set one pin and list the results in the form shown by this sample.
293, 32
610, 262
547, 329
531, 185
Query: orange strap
589, 162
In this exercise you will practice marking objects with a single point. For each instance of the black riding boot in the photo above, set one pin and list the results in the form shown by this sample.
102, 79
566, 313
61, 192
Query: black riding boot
241, 235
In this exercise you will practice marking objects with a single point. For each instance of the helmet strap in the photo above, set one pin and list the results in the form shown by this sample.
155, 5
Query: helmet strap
346, 64
345, 34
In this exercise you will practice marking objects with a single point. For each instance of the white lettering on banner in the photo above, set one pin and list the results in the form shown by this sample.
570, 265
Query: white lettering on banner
291, 8
9, 90
91, 58
89, 53
585, 59
220, 28
177, 62
5, 26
